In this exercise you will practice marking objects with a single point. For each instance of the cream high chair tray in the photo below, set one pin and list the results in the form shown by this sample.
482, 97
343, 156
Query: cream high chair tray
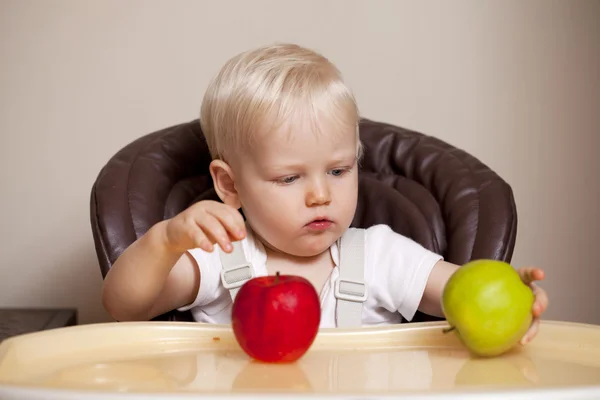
164, 360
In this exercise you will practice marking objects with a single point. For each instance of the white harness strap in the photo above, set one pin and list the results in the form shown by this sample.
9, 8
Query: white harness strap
236, 269
350, 289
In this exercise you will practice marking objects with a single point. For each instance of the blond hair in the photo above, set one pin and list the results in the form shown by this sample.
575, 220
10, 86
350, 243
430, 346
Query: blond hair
261, 89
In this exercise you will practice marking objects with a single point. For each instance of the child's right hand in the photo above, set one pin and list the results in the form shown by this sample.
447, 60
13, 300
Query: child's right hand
202, 225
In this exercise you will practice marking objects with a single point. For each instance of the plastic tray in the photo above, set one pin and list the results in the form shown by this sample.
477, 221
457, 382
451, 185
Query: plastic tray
173, 360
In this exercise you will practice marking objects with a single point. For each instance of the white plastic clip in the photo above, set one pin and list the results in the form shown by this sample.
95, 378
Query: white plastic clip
350, 290
235, 277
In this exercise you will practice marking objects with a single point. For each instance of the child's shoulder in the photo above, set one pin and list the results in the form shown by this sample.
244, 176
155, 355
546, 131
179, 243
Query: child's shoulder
382, 237
389, 253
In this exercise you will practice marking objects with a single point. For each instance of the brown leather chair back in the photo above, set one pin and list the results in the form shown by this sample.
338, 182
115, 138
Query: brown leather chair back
421, 187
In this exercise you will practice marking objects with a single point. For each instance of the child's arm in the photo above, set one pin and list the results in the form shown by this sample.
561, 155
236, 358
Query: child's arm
431, 302
156, 274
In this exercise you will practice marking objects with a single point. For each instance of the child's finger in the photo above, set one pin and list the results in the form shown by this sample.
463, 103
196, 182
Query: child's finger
238, 223
201, 241
529, 275
526, 275
541, 300
215, 231
533, 330
232, 223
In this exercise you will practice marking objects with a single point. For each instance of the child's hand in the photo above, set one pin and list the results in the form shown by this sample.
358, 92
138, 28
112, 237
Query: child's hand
528, 276
202, 225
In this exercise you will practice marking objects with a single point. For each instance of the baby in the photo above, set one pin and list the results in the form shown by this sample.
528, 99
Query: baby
282, 129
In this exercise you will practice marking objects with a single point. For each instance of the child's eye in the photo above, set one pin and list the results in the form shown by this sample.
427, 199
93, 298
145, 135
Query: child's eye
287, 180
337, 172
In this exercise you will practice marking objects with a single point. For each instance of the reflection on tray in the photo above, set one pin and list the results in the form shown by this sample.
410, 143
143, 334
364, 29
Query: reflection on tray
389, 371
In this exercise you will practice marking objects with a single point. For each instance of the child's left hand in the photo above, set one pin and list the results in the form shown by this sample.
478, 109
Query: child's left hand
528, 276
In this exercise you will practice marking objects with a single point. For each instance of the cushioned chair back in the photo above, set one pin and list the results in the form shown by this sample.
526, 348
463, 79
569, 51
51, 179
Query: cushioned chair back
423, 188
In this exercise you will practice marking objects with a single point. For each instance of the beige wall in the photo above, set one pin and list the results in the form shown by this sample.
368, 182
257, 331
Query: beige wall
515, 83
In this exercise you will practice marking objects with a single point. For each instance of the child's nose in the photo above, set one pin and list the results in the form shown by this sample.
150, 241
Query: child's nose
318, 194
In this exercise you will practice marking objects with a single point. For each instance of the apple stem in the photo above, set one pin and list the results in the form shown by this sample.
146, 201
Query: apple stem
277, 277
450, 329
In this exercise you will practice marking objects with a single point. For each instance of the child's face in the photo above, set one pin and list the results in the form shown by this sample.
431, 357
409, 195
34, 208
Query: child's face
294, 179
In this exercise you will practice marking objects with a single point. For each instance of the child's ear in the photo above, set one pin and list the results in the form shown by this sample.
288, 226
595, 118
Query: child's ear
224, 182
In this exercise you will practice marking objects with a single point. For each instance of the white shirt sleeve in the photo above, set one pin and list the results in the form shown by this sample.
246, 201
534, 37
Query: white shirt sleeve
397, 269
210, 288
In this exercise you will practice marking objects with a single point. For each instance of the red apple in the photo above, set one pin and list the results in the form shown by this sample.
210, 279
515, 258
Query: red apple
276, 318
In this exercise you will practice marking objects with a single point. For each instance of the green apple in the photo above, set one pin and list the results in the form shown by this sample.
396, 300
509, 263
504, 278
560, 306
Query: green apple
487, 306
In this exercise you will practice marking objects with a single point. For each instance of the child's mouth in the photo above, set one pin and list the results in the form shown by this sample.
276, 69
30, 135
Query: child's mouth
319, 224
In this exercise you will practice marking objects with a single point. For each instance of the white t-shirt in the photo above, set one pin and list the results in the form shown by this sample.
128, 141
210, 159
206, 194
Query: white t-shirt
396, 272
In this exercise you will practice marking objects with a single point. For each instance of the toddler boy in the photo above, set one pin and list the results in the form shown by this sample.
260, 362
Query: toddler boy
282, 129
